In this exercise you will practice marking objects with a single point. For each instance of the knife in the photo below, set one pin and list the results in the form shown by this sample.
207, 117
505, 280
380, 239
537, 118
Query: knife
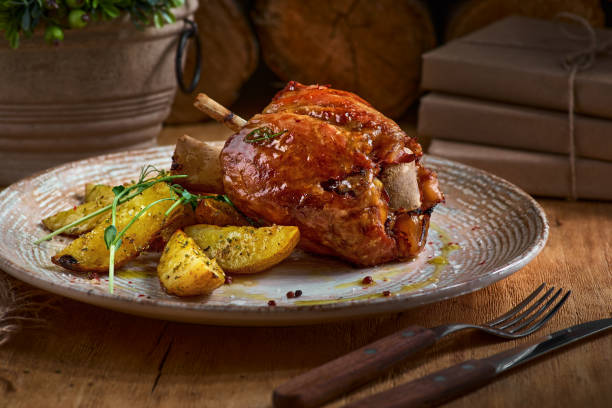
462, 378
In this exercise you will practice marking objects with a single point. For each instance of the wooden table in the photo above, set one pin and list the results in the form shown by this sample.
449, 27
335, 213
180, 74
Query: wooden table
93, 357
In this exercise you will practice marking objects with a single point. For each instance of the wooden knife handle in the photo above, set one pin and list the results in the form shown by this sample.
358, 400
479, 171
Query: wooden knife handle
433, 389
332, 379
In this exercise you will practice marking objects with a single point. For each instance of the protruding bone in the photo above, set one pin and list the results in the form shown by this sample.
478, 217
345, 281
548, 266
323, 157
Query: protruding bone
401, 183
200, 162
219, 112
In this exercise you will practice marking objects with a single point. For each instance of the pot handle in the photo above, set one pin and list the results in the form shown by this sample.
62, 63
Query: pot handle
190, 31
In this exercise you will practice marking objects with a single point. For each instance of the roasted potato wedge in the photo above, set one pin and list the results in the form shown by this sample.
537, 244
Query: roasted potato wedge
243, 250
200, 162
89, 253
94, 191
183, 216
214, 212
185, 270
96, 197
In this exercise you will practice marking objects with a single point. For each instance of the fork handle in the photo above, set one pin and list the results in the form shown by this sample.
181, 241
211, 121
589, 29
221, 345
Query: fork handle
338, 376
434, 389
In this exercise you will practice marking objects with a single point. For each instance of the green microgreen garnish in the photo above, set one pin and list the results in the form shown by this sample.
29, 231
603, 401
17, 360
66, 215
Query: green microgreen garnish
115, 242
118, 190
262, 133
149, 176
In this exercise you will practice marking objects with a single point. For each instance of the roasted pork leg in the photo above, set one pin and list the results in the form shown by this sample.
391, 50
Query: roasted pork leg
319, 158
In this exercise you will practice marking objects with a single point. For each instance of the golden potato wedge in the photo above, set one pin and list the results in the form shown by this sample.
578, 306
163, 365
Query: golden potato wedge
185, 270
94, 191
214, 212
89, 253
183, 216
243, 250
200, 162
98, 196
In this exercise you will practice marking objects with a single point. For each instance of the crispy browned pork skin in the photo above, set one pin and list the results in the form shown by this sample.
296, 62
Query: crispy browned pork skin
316, 161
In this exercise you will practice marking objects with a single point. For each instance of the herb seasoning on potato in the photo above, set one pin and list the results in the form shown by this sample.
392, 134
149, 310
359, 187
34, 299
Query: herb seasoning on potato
185, 270
245, 250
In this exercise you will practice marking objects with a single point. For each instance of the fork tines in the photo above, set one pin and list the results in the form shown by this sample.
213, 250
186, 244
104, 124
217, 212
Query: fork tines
521, 321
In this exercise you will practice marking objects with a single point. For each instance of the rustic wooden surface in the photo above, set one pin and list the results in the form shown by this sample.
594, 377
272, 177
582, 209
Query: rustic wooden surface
93, 357
361, 46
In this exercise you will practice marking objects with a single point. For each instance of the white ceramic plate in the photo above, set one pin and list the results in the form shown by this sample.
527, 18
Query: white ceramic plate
487, 230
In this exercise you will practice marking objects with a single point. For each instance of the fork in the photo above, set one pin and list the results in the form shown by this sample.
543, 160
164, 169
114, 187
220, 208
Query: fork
347, 372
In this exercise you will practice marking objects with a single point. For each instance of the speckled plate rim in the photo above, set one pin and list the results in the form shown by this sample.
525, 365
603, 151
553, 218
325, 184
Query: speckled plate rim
235, 315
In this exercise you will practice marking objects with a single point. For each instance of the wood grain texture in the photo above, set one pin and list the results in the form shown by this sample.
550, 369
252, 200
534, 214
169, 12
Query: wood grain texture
433, 389
94, 357
361, 46
469, 15
229, 57
347, 372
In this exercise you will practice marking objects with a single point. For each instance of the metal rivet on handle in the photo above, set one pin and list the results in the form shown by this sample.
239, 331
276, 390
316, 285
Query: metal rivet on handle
408, 333
370, 351
439, 378
467, 366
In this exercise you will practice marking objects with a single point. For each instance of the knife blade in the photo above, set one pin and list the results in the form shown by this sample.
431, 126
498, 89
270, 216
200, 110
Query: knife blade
454, 381
522, 354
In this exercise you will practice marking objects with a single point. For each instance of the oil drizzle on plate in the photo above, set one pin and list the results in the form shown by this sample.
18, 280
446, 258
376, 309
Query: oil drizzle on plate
135, 274
241, 293
354, 284
439, 263
244, 280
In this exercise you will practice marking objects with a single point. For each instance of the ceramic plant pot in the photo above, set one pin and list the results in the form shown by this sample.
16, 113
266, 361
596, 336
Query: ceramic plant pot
105, 88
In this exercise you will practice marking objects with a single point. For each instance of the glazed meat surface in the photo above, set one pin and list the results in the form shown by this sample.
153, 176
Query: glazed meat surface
314, 158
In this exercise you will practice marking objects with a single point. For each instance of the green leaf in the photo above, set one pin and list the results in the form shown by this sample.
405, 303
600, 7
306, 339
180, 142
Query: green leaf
157, 20
110, 233
168, 17
225, 199
110, 10
118, 190
25, 20
262, 133
13, 39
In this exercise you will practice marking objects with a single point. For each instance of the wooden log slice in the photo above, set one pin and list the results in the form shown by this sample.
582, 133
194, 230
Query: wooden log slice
229, 57
470, 15
372, 48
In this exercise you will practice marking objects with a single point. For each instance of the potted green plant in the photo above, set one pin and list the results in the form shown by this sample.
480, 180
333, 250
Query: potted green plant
81, 77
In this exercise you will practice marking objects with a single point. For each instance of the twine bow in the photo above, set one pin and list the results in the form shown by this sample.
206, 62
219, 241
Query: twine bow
574, 63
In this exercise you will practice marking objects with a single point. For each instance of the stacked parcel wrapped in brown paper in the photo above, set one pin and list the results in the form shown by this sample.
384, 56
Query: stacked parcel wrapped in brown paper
537, 173
519, 60
475, 121
501, 99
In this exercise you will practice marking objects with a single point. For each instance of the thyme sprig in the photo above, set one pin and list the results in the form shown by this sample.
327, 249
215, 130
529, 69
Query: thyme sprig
260, 134
149, 176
